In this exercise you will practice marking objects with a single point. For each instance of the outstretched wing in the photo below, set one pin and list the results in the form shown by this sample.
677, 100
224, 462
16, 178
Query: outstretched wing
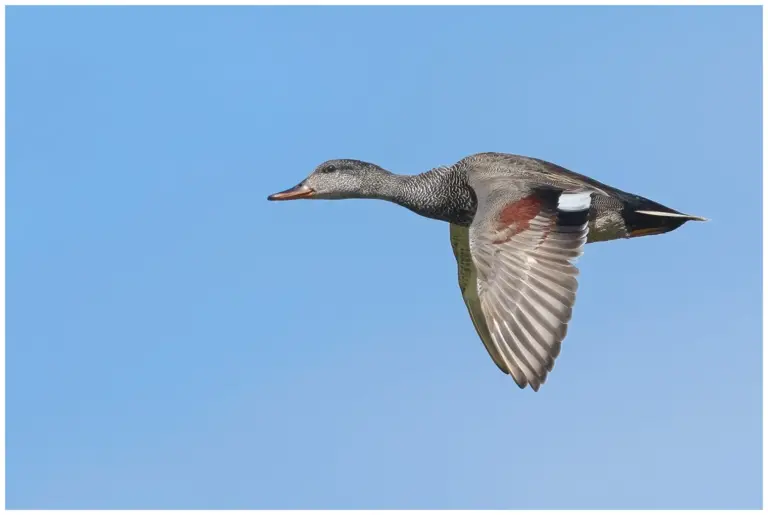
522, 286
468, 287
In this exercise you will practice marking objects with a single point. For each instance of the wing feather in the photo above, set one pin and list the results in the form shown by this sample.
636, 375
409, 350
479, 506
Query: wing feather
526, 280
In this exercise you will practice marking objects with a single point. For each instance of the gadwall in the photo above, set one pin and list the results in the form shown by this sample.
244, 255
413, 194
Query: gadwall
517, 225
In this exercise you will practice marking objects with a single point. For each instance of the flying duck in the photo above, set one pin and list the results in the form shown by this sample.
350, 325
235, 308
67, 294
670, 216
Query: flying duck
517, 225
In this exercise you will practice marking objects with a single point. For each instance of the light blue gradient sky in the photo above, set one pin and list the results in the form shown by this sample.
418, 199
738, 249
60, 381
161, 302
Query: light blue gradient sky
176, 341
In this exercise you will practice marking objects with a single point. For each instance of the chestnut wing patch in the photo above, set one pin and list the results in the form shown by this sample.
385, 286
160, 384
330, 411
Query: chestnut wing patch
516, 216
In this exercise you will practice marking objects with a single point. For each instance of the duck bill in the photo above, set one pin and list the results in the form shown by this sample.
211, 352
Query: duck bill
298, 191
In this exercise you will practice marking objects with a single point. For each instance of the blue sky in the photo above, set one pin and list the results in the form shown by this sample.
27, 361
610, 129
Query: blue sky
176, 341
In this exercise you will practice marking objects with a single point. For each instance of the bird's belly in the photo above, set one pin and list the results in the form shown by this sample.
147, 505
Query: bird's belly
607, 226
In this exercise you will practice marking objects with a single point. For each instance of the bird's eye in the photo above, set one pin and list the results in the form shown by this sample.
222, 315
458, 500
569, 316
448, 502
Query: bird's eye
329, 169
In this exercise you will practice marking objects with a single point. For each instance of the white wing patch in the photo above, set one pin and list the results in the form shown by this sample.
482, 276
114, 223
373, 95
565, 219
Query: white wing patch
577, 201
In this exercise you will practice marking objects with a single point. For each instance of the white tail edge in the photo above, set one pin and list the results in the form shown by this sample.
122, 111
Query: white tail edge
674, 215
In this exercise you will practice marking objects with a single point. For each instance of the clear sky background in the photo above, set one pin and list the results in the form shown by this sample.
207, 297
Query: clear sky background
176, 341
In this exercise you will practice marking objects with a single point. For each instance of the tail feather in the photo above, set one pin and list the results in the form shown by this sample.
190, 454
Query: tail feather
645, 217
673, 215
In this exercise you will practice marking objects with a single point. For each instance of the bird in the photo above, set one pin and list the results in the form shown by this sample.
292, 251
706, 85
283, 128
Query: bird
518, 225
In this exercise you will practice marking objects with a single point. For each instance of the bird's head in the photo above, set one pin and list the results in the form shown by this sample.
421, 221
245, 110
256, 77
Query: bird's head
337, 179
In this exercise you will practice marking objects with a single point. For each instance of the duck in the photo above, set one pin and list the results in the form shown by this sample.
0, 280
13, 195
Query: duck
518, 225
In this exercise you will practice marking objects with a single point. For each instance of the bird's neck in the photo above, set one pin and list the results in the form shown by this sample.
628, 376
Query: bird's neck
441, 194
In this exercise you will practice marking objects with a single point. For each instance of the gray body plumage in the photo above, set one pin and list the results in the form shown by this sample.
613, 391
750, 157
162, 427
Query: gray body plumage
518, 224
444, 193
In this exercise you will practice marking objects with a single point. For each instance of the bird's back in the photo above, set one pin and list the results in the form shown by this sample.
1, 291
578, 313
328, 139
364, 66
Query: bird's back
614, 213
